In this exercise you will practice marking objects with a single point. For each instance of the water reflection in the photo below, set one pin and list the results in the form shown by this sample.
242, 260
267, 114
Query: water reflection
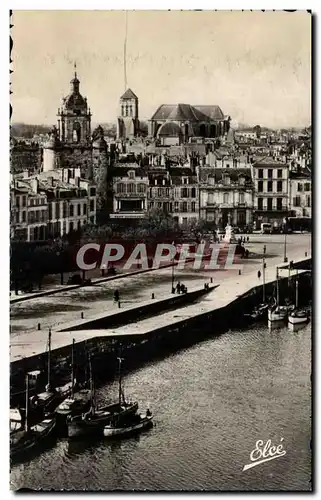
211, 402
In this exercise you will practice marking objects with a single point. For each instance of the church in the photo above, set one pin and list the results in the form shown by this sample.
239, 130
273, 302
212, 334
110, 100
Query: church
73, 145
175, 124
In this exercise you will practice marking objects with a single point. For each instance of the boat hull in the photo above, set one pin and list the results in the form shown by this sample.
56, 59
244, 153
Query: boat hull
277, 315
111, 432
294, 320
79, 426
24, 441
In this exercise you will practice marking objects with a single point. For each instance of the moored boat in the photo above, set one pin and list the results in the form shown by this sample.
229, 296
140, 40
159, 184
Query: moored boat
278, 313
298, 317
29, 437
93, 421
76, 403
48, 400
135, 424
259, 312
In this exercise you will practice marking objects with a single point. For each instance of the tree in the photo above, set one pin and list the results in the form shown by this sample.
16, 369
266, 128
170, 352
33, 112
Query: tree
158, 224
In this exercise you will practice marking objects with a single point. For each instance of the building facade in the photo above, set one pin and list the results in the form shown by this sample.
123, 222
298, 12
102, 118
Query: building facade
226, 195
271, 191
28, 212
300, 194
51, 204
130, 187
185, 204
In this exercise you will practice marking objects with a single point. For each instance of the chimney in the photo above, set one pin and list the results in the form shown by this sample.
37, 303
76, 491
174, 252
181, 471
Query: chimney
25, 174
51, 181
77, 181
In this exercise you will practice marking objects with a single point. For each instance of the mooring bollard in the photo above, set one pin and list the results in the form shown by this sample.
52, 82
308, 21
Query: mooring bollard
82, 315
153, 295
39, 326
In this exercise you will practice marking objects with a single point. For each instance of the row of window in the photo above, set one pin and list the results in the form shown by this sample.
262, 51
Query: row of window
304, 187
131, 188
270, 173
226, 198
74, 210
127, 110
279, 186
279, 205
32, 202
226, 180
33, 216
182, 206
297, 201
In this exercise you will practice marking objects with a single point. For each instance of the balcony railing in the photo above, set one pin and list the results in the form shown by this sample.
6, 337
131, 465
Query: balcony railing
130, 195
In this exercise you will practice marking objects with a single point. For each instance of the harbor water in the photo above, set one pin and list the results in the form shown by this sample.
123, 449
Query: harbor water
211, 403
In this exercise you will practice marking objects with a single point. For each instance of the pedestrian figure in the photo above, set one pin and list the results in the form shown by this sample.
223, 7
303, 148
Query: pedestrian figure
179, 287
247, 239
259, 274
116, 296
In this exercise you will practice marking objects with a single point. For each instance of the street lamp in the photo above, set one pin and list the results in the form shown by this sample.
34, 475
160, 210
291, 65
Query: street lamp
285, 257
173, 289
263, 272
61, 271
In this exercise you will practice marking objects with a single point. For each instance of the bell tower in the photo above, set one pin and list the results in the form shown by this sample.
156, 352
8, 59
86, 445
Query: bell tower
74, 117
128, 122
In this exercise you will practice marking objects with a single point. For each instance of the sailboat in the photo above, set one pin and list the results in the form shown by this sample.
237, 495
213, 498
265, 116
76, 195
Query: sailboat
29, 436
77, 402
95, 419
137, 423
298, 316
48, 400
260, 311
277, 312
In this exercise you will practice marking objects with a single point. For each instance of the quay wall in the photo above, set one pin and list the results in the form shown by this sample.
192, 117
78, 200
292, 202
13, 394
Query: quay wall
136, 313
138, 348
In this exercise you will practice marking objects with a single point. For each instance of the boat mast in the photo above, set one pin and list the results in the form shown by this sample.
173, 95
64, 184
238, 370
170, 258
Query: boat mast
277, 287
296, 293
92, 390
72, 368
49, 359
263, 273
120, 391
27, 403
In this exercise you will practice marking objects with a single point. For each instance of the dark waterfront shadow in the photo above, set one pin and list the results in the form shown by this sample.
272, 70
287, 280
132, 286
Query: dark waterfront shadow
29, 455
78, 447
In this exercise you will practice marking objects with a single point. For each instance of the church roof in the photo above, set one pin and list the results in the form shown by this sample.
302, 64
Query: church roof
211, 111
74, 99
129, 94
182, 112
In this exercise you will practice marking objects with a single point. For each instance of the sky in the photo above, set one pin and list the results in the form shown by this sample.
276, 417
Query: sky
255, 65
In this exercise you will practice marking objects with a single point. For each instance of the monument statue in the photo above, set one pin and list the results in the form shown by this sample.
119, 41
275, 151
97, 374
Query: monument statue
229, 232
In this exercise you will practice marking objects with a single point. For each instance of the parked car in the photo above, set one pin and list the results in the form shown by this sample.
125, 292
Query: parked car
266, 228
